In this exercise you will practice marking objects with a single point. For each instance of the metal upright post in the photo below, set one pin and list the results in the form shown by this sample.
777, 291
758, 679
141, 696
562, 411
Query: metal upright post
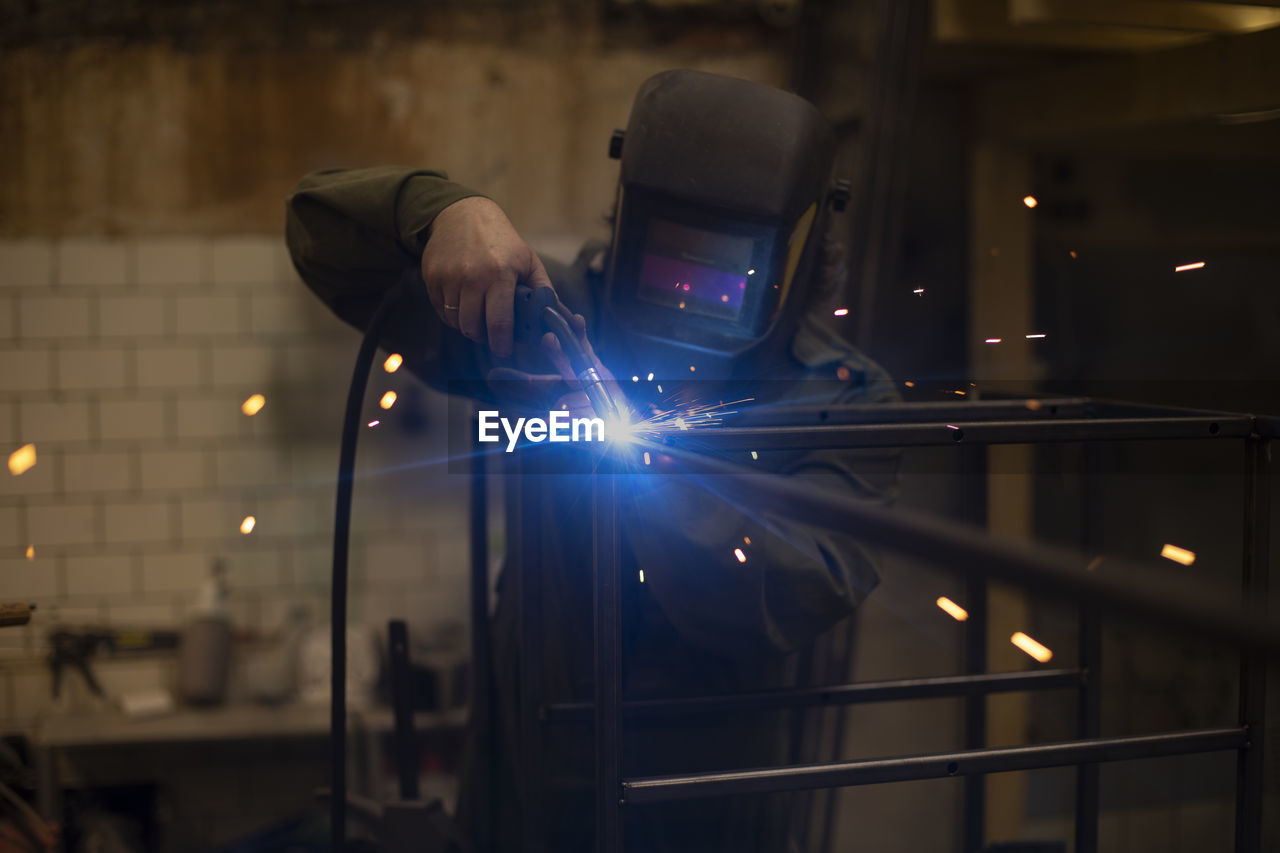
533, 780
1250, 764
607, 594
1089, 697
974, 467
481, 650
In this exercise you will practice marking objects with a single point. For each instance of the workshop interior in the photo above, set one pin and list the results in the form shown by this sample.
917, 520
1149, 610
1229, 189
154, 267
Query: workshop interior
933, 347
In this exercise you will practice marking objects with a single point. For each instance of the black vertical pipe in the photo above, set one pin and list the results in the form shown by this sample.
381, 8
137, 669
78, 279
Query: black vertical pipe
402, 707
974, 471
1250, 763
837, 747
533, 780
481, 653
607, 595
1089, 644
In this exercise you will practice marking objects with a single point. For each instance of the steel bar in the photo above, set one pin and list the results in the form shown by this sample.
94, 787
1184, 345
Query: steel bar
961, 430
1019, 408
935, 766
607, 595
843, 694
974, 465
1129, 589
914, 412
1089, 699
406, 741
1088, 725
1251, 762
481, 650
531, 651
1267, 426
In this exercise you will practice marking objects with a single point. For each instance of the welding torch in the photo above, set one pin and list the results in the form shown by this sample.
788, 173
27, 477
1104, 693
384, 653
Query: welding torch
537, 312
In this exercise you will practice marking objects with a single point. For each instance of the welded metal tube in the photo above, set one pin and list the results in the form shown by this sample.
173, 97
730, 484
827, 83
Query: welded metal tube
607, 582
1130, 589
657, 789
530, 560
962, 430
1251, 762
841, 694
481, 649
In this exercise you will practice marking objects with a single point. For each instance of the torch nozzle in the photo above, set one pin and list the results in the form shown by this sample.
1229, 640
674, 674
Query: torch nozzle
592, 382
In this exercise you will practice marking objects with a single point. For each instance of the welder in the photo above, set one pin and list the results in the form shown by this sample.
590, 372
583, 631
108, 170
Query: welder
717, 263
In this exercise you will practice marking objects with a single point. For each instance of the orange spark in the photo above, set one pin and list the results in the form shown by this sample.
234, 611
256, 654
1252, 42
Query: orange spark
22, 460
1031, 647
1030, 201
393, 362
31, 552
841, 312
253, 405
737, 552
1178, 555
1197, 265
955, 611
388, 400
246, 526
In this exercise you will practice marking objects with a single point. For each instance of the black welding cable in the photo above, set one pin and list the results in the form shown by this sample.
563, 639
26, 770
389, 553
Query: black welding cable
341, 548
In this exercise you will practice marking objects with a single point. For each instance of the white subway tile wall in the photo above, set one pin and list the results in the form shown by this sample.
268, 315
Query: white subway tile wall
126, 362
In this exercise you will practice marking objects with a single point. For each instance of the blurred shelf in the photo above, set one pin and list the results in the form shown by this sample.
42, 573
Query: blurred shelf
229, 723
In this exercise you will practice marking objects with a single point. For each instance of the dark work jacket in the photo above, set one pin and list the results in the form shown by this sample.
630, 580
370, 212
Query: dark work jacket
702, 621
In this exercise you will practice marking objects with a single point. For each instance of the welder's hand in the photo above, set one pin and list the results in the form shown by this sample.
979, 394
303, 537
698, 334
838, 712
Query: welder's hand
552, 390
576, 400
472, 262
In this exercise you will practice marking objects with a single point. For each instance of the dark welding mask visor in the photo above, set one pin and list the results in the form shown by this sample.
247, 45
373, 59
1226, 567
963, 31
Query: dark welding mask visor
722, 194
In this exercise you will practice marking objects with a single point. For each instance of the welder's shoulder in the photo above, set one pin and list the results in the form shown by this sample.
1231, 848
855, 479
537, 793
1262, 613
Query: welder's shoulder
823, 355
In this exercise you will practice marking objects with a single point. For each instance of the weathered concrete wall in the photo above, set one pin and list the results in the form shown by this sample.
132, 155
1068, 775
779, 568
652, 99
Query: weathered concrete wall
111, 136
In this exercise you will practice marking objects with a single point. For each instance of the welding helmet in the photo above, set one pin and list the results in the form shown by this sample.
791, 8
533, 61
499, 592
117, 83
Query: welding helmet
722, 198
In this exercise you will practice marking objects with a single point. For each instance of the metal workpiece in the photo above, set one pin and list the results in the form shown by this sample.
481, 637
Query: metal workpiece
964, 430
482, 695
656, 789
915, 412
1102, 587
532, 646
975, 464
1251, 762
1089, 658
607, 598
863, 692
1127, 588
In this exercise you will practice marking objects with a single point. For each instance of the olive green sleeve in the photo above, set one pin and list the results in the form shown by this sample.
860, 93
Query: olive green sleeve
353, 232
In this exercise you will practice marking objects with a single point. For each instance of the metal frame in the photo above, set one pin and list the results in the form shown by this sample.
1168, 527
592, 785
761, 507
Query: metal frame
1133, 589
